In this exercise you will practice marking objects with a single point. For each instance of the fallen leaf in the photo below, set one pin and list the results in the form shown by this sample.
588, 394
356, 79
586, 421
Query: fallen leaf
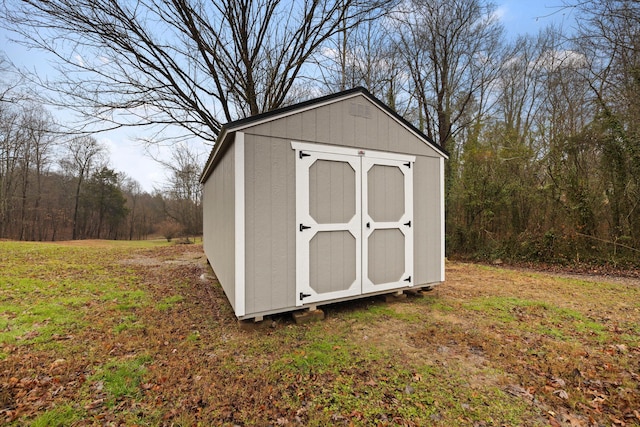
95, 404
518, 391
554, 423
561, 394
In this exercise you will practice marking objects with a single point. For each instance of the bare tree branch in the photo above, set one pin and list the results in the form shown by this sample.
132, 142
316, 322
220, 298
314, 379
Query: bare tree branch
190, 63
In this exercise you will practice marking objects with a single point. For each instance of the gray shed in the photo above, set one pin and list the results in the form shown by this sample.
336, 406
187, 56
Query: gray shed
328, 200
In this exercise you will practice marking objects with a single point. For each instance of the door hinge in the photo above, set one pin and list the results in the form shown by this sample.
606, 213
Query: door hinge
303, 295
408, 224
303, 154
408, 279
303, 227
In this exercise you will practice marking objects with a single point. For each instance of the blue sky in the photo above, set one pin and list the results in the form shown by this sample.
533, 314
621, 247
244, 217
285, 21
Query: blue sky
530, 16
518, 17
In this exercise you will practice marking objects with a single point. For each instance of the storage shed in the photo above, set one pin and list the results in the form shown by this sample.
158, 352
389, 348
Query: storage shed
328, 200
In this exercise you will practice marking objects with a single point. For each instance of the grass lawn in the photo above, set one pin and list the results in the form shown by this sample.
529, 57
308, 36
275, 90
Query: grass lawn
139, 333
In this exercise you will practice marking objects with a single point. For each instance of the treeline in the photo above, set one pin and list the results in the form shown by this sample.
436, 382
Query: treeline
543, 130
550, 171
59, 187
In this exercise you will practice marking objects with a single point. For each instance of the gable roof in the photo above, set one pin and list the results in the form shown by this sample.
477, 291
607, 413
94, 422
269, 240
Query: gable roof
230, 128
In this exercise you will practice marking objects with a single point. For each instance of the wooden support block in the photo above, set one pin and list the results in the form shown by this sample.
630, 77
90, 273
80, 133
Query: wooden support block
397, 296
413, 292
255, 324
307, 316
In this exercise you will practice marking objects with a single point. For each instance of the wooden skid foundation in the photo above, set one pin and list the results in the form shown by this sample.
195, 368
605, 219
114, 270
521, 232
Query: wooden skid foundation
307, 316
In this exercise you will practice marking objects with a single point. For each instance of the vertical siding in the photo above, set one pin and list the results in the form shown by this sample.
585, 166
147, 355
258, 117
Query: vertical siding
219, 222
322, 117
427, 201
354, 122
381, 133
269, 224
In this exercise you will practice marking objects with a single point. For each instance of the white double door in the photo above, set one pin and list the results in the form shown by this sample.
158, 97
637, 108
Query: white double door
354, 222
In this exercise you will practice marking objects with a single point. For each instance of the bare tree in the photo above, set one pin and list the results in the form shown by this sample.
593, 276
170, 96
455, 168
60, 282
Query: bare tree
451, 50
361, 55
608, 34
38, 127
11, 138
82, 154
183, 193
191, 63
133, 192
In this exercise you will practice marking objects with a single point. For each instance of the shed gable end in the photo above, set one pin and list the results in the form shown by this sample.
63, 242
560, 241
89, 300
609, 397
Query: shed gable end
354, 121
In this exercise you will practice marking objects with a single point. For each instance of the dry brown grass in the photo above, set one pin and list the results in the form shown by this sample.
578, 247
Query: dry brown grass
153, 341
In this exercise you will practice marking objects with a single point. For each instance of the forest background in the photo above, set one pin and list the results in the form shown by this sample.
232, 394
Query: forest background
542, 129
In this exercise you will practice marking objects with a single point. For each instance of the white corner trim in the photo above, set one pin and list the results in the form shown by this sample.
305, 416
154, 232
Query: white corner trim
442, 220
240, 292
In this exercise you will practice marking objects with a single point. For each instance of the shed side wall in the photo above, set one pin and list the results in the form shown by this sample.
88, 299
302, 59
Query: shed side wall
219, 222
427, 200
269, 224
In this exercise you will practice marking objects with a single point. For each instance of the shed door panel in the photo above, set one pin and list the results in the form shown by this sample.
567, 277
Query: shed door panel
354, 224
387, 189
328, 214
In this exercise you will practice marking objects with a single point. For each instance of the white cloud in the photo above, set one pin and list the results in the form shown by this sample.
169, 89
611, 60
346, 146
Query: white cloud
556, 59
501, 13
125, 155
79, 60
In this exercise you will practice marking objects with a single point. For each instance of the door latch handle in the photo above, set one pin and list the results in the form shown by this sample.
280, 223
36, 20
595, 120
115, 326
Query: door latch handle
408, 224
368, 225
303, 227
408, 279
